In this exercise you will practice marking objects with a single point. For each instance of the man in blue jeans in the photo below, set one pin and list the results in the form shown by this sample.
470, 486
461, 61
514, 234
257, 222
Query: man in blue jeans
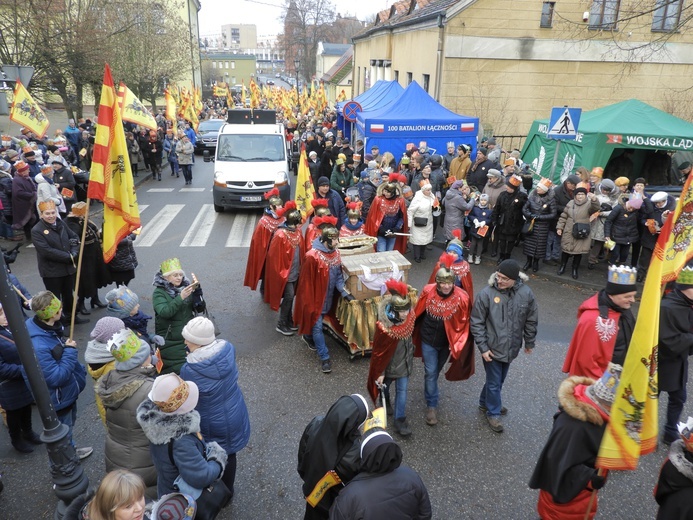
442, 332
505, 314
320, 277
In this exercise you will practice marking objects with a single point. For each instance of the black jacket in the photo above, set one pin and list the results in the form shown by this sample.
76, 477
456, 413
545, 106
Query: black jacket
398, 495
507, 213
57, 249
621, 226
125, 258
675, 340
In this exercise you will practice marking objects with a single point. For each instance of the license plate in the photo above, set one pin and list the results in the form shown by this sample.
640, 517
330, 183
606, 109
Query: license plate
251, 198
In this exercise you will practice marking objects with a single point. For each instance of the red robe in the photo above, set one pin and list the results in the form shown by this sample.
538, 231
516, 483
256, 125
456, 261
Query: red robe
258, 249
592, 345
346, 232
381, 207
311, 289
280, 258
312, 233
385, 342
461, 270
455, 311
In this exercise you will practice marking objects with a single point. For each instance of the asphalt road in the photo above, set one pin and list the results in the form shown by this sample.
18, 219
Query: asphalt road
470, 472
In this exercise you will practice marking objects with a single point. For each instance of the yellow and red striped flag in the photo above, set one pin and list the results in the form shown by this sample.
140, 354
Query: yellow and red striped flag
26, 112
110, 179
305, 191
171, 113
632, 428
132, 109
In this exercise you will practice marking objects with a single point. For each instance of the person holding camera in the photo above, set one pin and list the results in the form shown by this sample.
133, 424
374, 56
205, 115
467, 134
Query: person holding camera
574, 227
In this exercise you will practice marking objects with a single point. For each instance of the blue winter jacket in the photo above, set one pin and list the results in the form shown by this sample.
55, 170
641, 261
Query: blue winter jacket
63, 373
223, 413
14, 393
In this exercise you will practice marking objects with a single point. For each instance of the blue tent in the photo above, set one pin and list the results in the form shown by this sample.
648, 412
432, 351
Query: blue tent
380, 95
415, 116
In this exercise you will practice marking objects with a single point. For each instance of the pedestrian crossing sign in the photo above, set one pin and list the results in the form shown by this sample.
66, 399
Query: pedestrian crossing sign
564, 123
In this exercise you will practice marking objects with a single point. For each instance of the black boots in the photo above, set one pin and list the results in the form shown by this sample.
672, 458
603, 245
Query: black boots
576, 265
528, 263
81, 309
564, 263
95, 302
535, 265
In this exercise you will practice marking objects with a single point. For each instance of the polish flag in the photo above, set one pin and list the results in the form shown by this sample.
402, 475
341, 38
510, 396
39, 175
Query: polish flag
379, 129
467, 127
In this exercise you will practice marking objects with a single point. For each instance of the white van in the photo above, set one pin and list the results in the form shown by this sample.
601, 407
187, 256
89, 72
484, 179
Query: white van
251, 158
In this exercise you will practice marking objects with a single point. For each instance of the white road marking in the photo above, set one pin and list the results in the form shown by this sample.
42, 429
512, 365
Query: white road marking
201, 228
151, 232
238, 231
192, 189
160, 190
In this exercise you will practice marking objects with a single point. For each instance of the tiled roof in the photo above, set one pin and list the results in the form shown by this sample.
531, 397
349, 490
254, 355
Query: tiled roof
399, 14
334, 49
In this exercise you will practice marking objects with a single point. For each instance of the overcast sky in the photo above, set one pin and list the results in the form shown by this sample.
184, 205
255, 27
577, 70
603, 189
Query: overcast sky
265, 14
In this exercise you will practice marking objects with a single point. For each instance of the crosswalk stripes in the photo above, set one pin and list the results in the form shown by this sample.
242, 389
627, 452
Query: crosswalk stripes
153, 230
241, 232
201, 228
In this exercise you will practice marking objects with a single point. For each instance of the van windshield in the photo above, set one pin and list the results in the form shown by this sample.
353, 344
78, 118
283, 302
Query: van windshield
250, 148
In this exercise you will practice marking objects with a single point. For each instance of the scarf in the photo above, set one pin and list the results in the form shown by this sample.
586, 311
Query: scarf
626, 325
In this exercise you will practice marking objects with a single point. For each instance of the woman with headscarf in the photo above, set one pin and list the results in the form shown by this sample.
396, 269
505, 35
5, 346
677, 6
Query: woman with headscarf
383, 488
173, 308
330, 443
93, 273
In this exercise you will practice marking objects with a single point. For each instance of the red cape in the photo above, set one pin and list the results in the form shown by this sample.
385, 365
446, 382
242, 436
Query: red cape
312, 289
258, 249
456, 329
376, 215
461, 270
592, 345
280, 258
384, 346
312, 233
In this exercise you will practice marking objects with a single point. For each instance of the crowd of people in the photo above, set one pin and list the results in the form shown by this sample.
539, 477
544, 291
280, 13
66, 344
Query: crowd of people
168, 395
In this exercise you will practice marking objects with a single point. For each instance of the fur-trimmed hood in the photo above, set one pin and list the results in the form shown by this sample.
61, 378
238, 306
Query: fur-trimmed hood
161, 428
523, 278
677, 456
573, 406
115, 386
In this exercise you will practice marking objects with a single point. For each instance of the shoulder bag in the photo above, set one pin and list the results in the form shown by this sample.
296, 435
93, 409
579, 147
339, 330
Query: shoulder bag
210, 500
420, 221
528, 227
580, 230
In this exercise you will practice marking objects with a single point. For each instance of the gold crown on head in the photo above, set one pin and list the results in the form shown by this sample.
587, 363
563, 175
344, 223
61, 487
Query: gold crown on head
685, 276
622, 275
172, 264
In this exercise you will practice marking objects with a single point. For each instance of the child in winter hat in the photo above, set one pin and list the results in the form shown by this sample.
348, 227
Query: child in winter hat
97, 349
125, 304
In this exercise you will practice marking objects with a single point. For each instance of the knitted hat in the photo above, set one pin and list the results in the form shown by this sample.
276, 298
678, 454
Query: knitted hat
199, 330
98, 353
128, 350
509, 268
174, 506
458, 184
635, 201
621, 280
170, 266
106, 328
607, 185
482, 150
492, 172
685, 278
603, 391
122, 301
324, 181
573, 179
484, 197
622, 181
597, 171
173, 395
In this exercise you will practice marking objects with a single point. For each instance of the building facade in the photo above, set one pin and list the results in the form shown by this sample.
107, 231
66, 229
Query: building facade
511, 69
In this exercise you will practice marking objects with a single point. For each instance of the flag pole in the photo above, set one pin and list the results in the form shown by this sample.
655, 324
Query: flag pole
79, 269
593, 497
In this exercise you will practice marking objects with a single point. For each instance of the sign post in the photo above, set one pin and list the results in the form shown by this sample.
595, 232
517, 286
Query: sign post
563, 124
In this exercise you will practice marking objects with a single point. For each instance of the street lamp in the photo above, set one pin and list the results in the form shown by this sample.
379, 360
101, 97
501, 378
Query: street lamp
297, 64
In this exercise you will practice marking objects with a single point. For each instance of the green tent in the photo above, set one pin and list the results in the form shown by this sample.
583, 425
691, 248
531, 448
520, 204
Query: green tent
629, 124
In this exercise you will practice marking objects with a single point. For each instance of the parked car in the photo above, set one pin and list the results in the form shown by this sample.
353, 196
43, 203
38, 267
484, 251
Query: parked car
277, 75
270, 82
207, 134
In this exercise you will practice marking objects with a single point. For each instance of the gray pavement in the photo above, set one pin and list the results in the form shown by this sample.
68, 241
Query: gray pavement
470, 472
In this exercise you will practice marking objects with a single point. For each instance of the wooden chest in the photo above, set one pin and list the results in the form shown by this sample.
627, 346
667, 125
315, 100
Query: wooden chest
380, 266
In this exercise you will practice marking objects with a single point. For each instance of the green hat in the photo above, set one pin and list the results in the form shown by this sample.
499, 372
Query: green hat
685, 277
170, 265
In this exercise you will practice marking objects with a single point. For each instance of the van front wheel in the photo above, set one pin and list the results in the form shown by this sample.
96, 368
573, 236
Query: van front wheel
218, 209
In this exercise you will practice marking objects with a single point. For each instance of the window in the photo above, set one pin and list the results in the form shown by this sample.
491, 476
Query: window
604, 14
214, 64
233, 80
233, 64
226, 64
426, 81
667, 15
409, 78
396, 75
547, 14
